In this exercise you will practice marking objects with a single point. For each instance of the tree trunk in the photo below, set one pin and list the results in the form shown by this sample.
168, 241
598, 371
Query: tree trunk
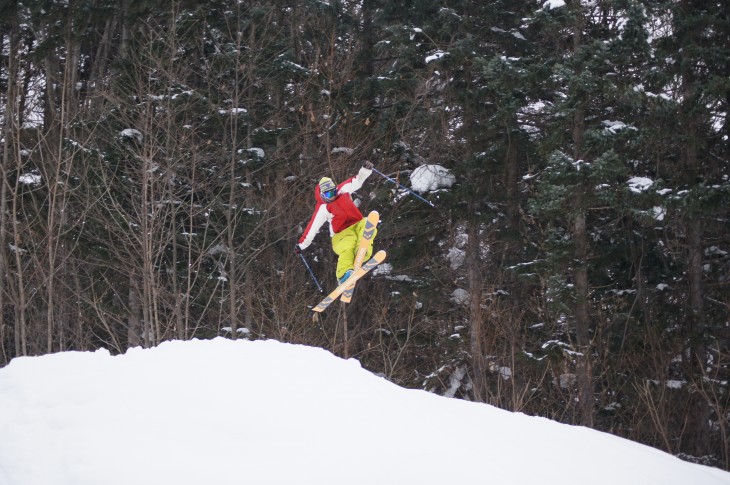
581, 315
8, 129
134, 327
700, 412
582, 289
512, 183
582, 321
476, 313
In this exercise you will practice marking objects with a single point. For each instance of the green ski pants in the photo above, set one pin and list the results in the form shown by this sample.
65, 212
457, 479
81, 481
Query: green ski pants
344, 244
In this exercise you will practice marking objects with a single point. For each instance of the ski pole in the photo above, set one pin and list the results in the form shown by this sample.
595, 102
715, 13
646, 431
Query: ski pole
311, 273
402, 186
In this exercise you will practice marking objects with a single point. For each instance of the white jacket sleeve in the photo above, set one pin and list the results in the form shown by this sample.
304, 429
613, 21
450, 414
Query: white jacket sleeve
315, 224
356, 182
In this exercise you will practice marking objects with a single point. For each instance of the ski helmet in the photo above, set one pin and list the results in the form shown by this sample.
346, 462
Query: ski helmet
327, 189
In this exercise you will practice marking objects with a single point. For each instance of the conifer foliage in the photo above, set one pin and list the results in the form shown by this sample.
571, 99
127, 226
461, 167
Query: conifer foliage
159, 161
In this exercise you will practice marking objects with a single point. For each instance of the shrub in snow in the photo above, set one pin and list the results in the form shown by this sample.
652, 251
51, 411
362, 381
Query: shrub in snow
31, 178
131, 133
638, 185
460, 296
428, 178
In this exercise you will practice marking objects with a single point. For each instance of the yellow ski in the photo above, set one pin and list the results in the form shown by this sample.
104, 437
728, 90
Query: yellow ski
366, 241
377, 258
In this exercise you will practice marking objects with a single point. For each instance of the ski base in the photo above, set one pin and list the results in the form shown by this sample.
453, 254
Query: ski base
377, 258
366, 241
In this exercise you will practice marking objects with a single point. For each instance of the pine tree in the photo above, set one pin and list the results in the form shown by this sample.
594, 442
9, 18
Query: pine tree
692, 78
579, 189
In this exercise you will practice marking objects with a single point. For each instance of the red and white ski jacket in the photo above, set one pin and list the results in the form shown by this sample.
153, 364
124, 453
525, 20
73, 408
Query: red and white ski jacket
341, 213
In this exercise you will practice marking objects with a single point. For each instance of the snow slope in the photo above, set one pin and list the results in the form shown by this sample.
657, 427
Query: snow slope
264, 412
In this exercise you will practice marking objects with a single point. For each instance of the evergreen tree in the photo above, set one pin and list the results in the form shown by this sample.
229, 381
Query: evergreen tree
159, 159
580, 188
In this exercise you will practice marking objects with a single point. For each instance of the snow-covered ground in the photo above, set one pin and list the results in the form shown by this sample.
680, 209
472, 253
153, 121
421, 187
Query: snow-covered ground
263, 412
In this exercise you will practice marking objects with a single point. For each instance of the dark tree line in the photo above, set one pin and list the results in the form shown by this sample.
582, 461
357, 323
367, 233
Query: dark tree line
159, 160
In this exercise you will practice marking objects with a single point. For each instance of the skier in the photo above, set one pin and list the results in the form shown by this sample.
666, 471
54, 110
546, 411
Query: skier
335, 205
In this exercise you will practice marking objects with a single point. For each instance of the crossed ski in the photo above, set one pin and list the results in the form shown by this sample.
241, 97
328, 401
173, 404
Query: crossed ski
346, 289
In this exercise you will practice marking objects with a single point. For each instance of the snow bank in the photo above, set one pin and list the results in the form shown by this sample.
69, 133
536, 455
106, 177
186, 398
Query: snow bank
428, 178
263, 412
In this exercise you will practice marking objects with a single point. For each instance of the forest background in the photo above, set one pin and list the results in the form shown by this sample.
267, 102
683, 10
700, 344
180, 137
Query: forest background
159, 161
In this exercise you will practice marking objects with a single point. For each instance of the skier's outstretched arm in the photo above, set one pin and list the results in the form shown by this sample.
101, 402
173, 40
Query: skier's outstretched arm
353, 184
315, 224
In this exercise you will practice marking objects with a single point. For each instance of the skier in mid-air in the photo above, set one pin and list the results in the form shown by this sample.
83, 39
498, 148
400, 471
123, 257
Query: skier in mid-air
334, 205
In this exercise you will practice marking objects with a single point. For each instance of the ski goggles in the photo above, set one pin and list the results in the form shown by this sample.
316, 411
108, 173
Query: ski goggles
329, 194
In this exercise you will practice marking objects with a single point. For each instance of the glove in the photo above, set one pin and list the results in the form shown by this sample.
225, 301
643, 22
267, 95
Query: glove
368, 164
297, 249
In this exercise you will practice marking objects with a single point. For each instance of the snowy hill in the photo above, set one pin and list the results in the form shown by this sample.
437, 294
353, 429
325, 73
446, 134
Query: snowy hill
264, 412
